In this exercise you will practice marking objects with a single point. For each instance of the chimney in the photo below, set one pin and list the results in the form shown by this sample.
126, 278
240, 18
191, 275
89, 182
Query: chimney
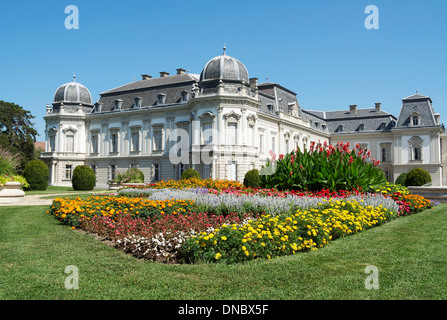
145, 77
181, 71
164, 74
437, 118
353, 109
378, 107
253, 83
118, 103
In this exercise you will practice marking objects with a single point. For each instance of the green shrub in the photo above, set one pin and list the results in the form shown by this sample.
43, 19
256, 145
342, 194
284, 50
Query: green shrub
401, 179
251, 179
8, 162
133, 175
83, 178
417, 177
36, 174
322, 167
190, 173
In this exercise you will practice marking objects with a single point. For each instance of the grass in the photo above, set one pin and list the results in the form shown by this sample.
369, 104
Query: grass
409, 252
57, 190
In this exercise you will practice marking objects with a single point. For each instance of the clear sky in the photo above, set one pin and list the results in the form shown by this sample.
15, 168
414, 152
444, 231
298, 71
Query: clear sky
320, 49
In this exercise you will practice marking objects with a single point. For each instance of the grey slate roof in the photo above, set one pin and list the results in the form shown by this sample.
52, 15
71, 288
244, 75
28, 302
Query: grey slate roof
371, 120
149, 91
416, 104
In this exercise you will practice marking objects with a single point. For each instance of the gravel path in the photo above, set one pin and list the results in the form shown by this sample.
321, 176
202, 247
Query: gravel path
36, 200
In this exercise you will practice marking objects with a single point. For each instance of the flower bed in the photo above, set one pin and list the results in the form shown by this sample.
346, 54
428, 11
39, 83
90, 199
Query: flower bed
274, 236
222, 221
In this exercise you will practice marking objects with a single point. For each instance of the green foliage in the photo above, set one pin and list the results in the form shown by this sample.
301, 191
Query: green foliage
251, 179
6, 178
17, 134
322, 167
401, 179
190, 173
417, 177
37, 174
83, 178
8, 162
133, 175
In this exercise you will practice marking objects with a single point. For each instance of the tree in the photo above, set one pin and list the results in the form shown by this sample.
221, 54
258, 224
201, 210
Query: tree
17, 133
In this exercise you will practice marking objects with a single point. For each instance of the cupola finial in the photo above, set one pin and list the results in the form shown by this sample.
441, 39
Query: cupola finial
224, 49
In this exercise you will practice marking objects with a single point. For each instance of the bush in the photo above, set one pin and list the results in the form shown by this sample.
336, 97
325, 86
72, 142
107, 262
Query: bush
322, 167
36, 174
251, 179
83, 178
401, 179
417, 177
8, 162
133, 175
190, 173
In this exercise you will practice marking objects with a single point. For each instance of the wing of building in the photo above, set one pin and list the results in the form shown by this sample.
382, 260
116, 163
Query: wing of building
222, 123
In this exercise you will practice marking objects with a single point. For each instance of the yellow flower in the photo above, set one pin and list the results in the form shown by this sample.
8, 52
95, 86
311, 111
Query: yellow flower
217, 256
223, 238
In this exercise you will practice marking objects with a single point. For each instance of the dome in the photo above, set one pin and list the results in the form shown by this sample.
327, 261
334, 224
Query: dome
224, 68
73, 92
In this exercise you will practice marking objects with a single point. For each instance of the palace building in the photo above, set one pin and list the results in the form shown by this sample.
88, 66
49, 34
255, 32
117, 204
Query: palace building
222, 123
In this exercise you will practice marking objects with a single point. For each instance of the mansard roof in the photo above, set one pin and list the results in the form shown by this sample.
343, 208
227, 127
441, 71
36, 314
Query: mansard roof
416, 105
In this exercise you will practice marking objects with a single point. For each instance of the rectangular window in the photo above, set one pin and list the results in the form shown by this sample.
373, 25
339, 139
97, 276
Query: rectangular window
112, 171
158, 140
261, 143
95, 143
232, 134
114, 142
251, 130
156, 172
70, 144
94, 169
273, 144
385, 155
135, 141
206, 171
207, 133
52, 143
68, 171
417, 153
287, 146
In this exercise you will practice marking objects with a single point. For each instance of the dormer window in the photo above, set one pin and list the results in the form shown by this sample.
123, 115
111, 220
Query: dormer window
382, 126
361, 127
270, 108
317, 124
184, 96
415, 119
340, 128
161, 98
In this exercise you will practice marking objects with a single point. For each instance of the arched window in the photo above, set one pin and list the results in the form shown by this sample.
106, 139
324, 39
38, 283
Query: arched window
415, 119
415, 149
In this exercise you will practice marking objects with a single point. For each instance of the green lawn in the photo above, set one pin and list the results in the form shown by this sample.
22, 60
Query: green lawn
57, 190
410, 253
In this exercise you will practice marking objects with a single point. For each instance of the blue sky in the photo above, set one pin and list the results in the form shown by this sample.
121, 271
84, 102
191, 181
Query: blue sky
320, 49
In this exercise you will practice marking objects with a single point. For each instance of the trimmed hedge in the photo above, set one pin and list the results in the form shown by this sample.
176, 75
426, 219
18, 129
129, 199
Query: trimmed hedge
37, 175
83, 178
251, 179
190, 173
133, 175
401, 179
417, 177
